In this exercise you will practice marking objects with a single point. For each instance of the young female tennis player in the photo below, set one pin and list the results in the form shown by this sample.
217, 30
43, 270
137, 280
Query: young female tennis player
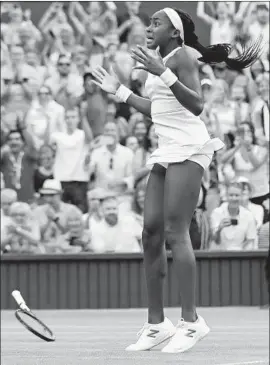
185, 150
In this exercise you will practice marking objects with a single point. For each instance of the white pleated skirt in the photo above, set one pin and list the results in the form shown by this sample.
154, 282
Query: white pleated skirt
172, 150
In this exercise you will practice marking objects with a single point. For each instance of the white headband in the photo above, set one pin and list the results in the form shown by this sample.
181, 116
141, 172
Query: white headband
176, 21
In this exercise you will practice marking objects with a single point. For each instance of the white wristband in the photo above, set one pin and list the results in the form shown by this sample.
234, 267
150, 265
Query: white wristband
168, 77
123, 93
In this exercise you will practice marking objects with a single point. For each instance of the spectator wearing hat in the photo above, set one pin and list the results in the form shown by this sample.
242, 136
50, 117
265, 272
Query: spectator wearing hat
52, 215
233, 226
116, 233
71, 154
111, 166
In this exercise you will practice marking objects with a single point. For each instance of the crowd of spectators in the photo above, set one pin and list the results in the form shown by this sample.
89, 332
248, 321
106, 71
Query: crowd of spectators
73, 173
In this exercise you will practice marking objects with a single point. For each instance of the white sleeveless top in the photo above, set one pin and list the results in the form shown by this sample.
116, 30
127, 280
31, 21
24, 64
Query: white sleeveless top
180, 132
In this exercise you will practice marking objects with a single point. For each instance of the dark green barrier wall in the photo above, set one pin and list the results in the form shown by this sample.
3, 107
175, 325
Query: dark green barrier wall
117, 281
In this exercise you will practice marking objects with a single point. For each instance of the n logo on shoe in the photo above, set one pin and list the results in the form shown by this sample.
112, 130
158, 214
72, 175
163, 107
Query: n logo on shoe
190, 333
153, 333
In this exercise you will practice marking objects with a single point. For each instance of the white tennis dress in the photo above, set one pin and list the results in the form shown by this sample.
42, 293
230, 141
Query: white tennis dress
181, 135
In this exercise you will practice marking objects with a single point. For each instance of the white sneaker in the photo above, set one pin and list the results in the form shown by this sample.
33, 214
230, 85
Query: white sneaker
187, 335
152, 335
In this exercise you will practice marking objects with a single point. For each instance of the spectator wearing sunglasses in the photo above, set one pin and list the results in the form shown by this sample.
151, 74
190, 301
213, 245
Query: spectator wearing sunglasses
65, 85
45, 116
111, 166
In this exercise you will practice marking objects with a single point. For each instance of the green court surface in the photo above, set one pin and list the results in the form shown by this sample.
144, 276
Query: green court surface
239, 336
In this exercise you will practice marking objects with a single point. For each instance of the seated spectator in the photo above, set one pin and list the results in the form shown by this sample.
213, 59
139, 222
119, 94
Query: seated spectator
52, 214
233, 226
21, 233
202, 220
140, 171
18, 160
8, 197
94, 214
138, 203
140, 130
66, 87
44, 170
251, 161
116, 233
2, 184
71, 165
76, 239
132, 143
256, 210
264, 237
111, 166
260, 115
44, 116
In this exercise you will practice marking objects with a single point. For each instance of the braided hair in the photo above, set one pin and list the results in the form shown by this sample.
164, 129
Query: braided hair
218, 53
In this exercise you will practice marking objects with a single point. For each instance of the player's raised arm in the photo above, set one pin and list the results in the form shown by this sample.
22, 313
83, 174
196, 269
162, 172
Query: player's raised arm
110, 83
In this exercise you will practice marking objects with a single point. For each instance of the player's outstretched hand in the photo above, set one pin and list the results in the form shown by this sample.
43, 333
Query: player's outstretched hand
108, 82
151, 61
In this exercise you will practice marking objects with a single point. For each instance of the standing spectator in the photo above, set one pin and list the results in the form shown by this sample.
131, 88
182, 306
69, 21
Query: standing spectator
261, 118
17, 84
22, 233
44, 170
222, 27
261, 26
221, 110
239, 104
116, 233
18, 160
233, 226
93, 105
251, 161
65, 86
9, 31
111, 166
71, 155
131, 17
44, 116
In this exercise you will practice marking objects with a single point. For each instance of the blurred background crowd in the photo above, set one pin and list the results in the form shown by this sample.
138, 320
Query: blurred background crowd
73, 173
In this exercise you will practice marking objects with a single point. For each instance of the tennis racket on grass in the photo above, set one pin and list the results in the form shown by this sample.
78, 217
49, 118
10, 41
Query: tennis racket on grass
30, 321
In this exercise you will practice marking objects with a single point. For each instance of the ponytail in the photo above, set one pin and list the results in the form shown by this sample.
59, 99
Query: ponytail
219, 52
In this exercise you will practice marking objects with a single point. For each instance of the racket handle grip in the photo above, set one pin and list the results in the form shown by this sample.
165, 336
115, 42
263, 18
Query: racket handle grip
18, 297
